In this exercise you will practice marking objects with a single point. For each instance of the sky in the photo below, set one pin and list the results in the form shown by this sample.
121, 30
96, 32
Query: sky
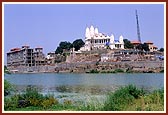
46, 25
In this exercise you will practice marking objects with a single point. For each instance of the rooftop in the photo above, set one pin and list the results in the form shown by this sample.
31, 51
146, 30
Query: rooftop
135, 42
149, 42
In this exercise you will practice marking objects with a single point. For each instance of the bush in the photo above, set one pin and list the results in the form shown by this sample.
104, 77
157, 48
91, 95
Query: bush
162, 71
156, 97
122, 98
30, 98
32, 95
118, 71
67, 102
10, 103
49, 101
94, 71
7, 88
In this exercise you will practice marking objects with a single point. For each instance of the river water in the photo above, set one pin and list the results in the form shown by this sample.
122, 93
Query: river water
77, 86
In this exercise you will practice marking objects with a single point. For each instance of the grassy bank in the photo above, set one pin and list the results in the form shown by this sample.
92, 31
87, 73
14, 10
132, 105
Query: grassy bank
128, 98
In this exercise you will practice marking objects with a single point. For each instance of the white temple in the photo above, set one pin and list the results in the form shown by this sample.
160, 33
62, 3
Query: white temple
96, 40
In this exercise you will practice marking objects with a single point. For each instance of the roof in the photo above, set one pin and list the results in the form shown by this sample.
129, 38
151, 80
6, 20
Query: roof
155, 46
135, 42
38, 47
25, 46
149, 42
15, 49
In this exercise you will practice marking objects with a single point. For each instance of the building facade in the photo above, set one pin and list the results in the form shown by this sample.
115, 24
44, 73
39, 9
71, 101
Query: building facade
151, 45
25, 56
96, 40
39, 56
20, 57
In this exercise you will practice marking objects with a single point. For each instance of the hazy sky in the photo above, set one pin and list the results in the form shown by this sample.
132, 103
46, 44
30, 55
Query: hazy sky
46, 25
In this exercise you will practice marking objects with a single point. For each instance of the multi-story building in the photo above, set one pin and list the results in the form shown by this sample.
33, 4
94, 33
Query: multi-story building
39, 56
20, 57
96, 40
25, 56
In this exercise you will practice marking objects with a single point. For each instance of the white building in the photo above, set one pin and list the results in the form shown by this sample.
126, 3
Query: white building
96, 40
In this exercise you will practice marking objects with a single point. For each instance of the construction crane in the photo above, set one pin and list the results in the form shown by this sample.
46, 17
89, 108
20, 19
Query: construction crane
138, 29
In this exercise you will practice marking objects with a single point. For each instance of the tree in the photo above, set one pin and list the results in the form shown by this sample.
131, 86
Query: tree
142, 47
128, 44
145, 47
59, 50
161, 50
139, 47
63, 46
77, 44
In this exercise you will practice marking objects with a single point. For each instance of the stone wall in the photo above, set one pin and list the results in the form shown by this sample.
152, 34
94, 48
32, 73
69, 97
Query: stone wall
83, 67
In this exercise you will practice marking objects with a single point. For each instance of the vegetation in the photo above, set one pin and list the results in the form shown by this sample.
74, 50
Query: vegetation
161, 49
66, 46
128, 98
6, 70
7, 88
142, 47
77, 44
113, 71
122, 98
162, 71
128, 44
31, 98
118, 71
63, 46
94, 71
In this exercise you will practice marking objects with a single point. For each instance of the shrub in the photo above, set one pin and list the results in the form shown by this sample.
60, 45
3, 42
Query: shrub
94, 71
122, 97
30, 98
10, 103
162, 71
67, 102
7, 88
49, 101
118, 71
32, 95
156, 97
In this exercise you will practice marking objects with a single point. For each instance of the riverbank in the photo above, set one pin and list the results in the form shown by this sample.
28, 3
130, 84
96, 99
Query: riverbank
98, 67
128, 98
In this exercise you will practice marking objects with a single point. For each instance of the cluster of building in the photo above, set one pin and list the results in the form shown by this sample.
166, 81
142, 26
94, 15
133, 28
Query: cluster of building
152, 47
94, 41
26, 56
